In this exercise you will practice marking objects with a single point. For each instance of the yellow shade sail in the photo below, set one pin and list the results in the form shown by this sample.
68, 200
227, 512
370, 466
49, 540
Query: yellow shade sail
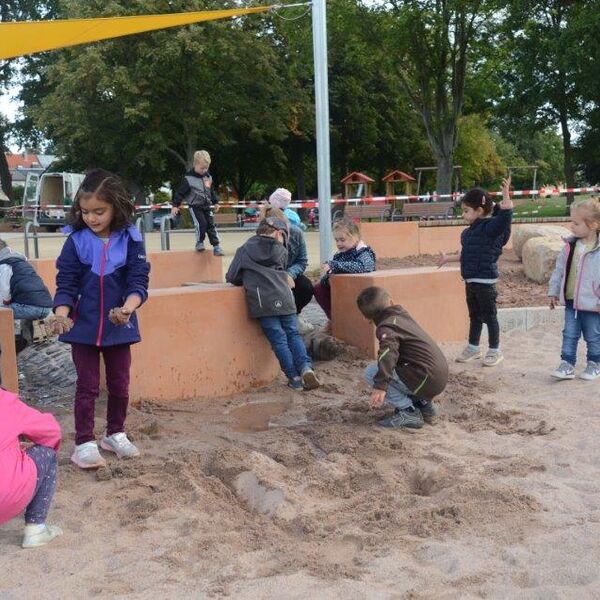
28, 37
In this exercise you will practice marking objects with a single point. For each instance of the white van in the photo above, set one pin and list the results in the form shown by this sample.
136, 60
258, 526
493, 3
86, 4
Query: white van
48, 196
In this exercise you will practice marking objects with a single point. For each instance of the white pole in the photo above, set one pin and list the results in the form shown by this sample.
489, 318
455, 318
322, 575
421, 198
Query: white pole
322, 125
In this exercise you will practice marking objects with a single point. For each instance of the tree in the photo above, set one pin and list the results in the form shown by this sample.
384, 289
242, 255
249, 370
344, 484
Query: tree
547, 44
15, 10
434, 42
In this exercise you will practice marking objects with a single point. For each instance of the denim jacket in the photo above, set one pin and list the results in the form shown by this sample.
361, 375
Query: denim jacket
297, 256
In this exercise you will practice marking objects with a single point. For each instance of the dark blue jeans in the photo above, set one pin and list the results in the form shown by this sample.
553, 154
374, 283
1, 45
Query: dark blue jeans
287, 344
586, 322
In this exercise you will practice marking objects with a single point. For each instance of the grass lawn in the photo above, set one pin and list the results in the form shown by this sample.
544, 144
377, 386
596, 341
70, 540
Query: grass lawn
543, 207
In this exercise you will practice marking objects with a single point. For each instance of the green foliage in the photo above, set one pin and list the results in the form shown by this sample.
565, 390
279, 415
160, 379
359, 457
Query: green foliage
477, 154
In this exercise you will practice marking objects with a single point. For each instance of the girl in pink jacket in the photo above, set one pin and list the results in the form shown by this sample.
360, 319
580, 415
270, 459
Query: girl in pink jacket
27, 478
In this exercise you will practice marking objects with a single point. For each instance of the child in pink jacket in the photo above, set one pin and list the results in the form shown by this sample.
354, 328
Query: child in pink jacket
27, 478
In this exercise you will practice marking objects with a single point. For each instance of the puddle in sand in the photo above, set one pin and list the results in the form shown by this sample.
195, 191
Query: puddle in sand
255, 416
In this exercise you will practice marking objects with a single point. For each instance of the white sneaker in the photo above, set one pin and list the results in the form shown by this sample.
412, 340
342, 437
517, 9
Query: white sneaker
592, 371
492, 358
39, 535
468, 354
87, 456
119, 444
304, 326
564, 371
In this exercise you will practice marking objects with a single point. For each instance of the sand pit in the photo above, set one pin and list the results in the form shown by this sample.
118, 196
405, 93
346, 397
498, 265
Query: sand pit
308, 498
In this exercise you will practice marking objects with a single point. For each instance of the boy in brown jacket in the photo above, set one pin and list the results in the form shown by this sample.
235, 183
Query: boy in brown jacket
410, 368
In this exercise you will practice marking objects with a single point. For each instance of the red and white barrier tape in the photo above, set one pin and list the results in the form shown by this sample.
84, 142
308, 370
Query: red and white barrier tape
541, 193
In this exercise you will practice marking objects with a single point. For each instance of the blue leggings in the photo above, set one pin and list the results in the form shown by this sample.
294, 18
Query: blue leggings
46, 462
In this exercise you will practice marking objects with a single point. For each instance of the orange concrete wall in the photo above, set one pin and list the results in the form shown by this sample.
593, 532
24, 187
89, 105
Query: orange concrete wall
8, 356
168, 269
198, 342
396, 240
434, 298
392, 240
433, 240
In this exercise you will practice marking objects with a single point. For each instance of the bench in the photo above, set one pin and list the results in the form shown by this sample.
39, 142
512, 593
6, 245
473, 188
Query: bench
381, 212
423, 211
227, 219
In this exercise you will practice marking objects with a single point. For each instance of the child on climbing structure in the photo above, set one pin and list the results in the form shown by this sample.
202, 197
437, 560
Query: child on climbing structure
102, 279
482, 242
259, 265
353, 256
28, 477
410, 369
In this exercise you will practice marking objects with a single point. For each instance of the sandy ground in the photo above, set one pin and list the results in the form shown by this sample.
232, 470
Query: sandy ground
276, 494
514, 289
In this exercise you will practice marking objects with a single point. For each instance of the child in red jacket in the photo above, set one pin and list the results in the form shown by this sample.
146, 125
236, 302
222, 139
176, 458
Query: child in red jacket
28, 478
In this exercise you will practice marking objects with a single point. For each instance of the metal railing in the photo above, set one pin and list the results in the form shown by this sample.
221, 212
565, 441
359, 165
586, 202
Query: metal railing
166, 231
31, 233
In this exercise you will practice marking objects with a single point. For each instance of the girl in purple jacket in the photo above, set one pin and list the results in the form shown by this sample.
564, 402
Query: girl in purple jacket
102, 279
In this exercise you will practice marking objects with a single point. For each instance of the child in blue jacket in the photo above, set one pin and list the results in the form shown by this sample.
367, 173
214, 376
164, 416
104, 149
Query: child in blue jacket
102, 279
482, 242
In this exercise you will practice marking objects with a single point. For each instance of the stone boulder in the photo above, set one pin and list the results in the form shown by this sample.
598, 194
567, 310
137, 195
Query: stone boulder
539, 257
522, 233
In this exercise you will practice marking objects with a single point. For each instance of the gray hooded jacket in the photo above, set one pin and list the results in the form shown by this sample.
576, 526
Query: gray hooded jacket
259, 265
587, 286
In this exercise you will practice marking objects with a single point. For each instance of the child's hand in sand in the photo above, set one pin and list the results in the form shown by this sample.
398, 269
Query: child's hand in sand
120, 315
377, 398
506, 203
553, 302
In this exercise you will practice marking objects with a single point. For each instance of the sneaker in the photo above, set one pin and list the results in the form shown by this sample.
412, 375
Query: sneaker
304, 326
564, 371
406, 417
309, 380
39, 535
87, 456
592, 371
427, 409
119, 444
218, 251
296, 383
492, 358
468, 354
200, 247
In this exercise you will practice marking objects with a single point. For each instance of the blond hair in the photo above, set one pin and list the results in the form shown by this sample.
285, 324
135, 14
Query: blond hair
201, 156
589, 210
347, 224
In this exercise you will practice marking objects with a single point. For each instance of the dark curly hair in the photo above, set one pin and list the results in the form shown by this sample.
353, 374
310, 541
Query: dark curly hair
109, 188
478, 198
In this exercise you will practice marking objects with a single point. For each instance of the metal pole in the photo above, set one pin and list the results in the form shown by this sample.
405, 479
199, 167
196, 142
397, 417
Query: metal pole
319, 16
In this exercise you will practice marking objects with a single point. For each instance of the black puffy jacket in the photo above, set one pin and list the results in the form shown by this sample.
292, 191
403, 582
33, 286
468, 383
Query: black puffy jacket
482, 244
26, 286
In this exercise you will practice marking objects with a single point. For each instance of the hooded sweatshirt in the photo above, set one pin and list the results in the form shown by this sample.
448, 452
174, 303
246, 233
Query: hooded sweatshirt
259, 265
19, 283
18, 473
406, 348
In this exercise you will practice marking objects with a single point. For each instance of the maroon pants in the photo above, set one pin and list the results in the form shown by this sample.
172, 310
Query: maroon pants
117, 360
323, 298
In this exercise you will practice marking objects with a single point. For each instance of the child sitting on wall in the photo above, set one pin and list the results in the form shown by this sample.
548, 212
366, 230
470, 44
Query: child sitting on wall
410, 369
353, 256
